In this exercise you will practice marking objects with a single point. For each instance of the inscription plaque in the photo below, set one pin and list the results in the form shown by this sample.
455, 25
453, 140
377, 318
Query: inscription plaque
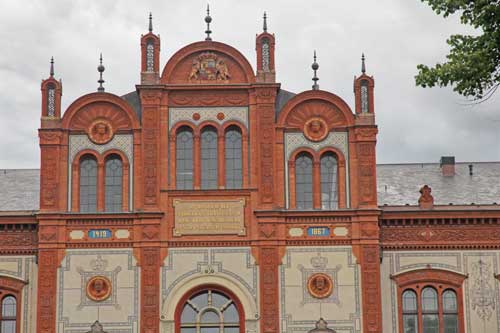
209, 217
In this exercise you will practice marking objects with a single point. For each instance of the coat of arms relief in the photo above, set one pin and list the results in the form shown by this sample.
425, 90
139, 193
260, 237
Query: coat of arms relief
209, 67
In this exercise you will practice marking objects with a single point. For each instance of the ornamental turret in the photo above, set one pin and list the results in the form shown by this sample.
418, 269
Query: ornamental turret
150, 56
264, 45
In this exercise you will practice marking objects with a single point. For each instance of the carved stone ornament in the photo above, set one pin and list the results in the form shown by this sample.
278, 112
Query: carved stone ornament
99, 288
209, 67
96, 328
321, 327
320, 285
426, 199
315, 129
100, 131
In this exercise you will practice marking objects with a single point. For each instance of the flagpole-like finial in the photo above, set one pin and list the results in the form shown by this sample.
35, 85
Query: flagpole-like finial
265, 22
208, 19
315, 78
363, 66
52, 67
150, 22
100, 69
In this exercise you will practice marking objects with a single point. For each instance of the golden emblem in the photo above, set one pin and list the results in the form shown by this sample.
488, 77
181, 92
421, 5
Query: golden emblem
209, 67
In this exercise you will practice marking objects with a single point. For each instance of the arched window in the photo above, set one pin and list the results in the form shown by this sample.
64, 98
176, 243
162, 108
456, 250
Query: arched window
51, 100
88, 184
233, 155
209, 158
8, 314
303, 181
210, 311
150, 56
113, 184
430, 313
184, 159
329, 186
410, 312
430, 301
450, 312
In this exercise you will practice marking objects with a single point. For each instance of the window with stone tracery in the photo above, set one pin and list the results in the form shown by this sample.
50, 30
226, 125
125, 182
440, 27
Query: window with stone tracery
51, 100
150, 56
184, 159
364, 96
304, 181
88, 184
265, 54
210, 311
8, 314
233, 158
329, 186
209, 157
113, 184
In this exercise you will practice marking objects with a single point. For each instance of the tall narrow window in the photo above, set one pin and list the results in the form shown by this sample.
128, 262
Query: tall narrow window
430, 314
265, 54
303, 181
8, 315
184, 159
51, 100
364, 96
150, 56
410, 312
210, 311
329, 186
450, 312
113, 184
88, 184
233, 155
208, 158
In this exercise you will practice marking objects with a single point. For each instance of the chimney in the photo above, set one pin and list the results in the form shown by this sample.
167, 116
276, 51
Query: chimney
471, 171
448, 166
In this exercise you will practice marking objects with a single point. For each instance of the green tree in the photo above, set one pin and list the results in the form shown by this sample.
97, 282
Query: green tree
473, 63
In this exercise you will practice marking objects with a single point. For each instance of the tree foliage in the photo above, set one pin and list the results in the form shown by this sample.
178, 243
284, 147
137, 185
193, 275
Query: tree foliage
473, 63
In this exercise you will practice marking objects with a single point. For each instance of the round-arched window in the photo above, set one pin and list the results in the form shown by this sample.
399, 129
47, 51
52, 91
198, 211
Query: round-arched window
210, 311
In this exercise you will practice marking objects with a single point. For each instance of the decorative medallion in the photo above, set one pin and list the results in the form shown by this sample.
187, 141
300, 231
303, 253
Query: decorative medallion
98, 288
100, 131
315, 129
196, 116
320, 285
220, 116
209, 67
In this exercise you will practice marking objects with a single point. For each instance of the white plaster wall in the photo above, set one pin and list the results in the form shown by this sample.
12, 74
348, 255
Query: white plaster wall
23, 268
76, 312
187, 268
299, 310
481, 292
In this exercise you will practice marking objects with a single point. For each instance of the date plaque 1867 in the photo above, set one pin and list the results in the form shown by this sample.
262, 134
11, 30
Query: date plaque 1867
209, 217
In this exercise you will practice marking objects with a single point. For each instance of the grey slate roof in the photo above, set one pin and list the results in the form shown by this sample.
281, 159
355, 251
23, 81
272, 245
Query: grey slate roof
281, 99
19, 189
133, 99
397, 184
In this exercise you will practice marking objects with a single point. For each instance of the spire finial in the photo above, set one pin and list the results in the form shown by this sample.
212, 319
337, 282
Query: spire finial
52, 67
100, 69
265, 22
315, 67
363, 67
150, 22
208, 19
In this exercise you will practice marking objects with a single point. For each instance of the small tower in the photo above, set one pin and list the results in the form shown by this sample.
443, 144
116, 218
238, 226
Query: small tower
150, 56
264, 45
363, 91
51, 97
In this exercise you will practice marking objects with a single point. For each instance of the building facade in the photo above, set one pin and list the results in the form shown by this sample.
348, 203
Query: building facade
210, 199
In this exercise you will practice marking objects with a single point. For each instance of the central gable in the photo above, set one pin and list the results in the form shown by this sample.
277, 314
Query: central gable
208, 63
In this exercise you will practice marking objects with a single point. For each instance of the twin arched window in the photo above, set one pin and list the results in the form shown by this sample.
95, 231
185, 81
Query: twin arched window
90, 185
8, 314
210, 311
435, 313
305, 186
208, 154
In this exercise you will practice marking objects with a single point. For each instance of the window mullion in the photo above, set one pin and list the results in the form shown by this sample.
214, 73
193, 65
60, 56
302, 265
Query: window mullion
419, 311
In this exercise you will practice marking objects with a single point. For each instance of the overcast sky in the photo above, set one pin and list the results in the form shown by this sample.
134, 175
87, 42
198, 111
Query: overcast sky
415, 124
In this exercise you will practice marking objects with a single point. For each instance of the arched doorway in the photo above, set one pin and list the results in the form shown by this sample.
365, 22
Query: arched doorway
209, 309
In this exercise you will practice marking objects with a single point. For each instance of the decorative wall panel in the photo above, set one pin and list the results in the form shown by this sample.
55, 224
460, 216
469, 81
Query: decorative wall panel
239, 114
300, 310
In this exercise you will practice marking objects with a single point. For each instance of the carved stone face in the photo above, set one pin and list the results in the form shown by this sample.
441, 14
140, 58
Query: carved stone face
315, 129
98, 288
320, 285
315, 126
100, 131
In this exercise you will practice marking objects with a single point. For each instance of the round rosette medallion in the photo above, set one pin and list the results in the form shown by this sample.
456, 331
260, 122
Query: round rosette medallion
99, 288
315, 129
100, 131
320, 285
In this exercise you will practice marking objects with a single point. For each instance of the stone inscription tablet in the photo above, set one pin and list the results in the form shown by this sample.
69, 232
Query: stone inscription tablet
209, 217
